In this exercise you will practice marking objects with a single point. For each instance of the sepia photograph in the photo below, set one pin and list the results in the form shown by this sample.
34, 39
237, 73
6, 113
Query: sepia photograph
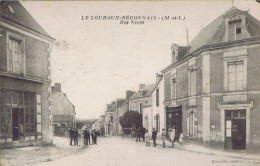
130, 83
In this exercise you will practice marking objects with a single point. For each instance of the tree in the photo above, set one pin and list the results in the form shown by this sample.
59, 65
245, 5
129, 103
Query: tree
131, 119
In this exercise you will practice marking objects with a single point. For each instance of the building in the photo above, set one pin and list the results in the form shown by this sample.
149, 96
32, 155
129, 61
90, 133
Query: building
141, 101
99, 124
63, 111
25, 78
158, 109
212, 90
109, 115
123, 108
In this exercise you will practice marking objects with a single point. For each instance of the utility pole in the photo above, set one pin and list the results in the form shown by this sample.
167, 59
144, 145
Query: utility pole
187, 35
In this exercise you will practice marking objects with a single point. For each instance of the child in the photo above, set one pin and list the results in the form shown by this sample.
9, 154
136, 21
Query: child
147, 138
172, 136
180, 137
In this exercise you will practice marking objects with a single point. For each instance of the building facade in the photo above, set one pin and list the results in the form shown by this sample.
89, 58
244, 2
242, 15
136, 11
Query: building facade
25, 78
123, 108
63, 111
141, 101
158, 109
211, 89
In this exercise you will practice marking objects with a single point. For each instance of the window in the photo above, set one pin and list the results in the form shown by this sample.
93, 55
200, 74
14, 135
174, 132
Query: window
10, 8
157, 97
234, 30
173, 88
192, 123
235, 76
133, 106
29, 113
141, 108
15, 53
157, 123
192, 82
15, 58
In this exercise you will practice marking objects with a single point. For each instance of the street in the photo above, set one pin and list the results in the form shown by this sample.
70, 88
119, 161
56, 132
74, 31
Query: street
115, 151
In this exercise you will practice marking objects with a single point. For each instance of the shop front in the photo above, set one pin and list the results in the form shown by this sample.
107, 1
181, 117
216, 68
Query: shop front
18, 117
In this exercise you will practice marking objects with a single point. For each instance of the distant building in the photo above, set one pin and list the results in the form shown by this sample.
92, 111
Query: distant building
25, 78
158, 110
141, 101
123, 108
109, 115
63, 110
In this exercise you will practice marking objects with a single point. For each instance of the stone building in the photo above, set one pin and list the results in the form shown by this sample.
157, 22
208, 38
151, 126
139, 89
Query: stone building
158, 109
141, 101
63, 111
123, 107
25, 78
212, 88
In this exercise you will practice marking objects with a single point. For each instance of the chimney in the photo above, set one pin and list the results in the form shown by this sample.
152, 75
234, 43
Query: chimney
109, 106
141, 86
129, 94
158, 77
57, 87
174, 52
52, 89
113, 103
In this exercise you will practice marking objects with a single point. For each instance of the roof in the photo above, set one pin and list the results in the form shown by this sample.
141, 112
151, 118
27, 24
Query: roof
157, 84
214, 32
61, 104
62, 118
147, 90
20, 16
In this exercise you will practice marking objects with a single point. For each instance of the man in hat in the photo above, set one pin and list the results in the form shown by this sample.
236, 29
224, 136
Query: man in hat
163, 137
71, 135
154, 135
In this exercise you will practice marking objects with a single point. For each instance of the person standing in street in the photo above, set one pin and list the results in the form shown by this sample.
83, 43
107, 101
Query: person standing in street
172, 136
86, 136
75, 134
93, 135
138, 135
163, 137
71, 135
181, 137
154, 135
147, 138
143, 133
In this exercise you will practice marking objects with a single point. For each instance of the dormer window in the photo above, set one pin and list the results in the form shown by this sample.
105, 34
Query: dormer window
234, 30
10, 8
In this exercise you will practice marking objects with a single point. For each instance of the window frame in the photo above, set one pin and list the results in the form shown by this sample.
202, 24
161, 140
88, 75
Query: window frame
19, 38
157, 97
235, 56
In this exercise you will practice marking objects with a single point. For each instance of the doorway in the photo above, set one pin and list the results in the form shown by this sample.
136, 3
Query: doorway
235, 129
174, 119
17, 122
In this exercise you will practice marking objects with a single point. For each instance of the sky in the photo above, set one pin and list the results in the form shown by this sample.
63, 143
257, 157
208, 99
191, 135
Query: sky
96, 61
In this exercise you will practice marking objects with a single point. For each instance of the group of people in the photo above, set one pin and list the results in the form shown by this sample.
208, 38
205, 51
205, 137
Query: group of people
73, 134
87, 134
140, 133
173, 136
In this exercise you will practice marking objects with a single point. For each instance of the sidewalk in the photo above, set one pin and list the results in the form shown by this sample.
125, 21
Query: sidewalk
32, 155
205, 150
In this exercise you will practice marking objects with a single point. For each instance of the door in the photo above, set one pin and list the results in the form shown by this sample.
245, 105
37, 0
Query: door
15, 124
239, 134
235, 129
174, 119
